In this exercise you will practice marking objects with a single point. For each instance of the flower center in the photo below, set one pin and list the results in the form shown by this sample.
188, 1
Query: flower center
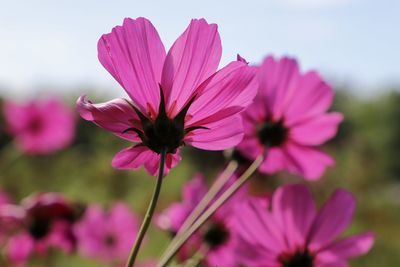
39, 228
164, 132
272, 133
35, 125
110, 240
216, 235
298, 259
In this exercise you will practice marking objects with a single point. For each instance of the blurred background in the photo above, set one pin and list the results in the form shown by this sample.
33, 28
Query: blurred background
48, 48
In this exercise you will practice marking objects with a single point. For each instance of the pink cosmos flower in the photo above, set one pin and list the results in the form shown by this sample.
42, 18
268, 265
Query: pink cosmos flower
293, 233
40, 126
107, 235
175, 98
42, 221
216, 235
289, 119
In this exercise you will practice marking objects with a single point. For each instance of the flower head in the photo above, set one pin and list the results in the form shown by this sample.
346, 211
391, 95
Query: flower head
288, 119
176, 98
106, 235
216, 235
40, 126
40, 222
293, 233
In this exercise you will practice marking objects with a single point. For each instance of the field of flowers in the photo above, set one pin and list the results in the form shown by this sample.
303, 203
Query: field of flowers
320, 167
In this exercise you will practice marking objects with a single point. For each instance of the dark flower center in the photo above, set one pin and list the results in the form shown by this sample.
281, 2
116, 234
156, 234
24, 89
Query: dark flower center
39, 228
164, 132
216, 235
110, 240
272, 133
299, 259
35, 125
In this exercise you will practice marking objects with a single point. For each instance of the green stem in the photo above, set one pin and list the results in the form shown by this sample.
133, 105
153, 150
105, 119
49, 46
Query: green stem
149, 213
210, 211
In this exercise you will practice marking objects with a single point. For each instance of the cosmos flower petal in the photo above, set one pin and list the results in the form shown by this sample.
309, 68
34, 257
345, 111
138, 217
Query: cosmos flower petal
115, 116
278, 79
134, 54
294, 208
136, 156
275, 160
194, 190
317, 130
249, 254
231, 88
313, 97
220, 135
222, 256
19, 248
307, 161
348, 247
121, 217
132, 157
172, 218
193, 57
329, 222
258, 227
152, 165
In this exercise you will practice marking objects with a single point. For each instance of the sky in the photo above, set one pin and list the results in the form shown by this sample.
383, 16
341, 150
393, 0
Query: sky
52, 44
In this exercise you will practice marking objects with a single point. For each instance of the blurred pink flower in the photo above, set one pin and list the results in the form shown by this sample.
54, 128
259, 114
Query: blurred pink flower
288, 119
40, 126
107, 235
40, 222
216, 235
293, 233
175, 99
4, 198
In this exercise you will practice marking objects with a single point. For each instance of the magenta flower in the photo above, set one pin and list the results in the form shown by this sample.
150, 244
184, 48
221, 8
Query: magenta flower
294, 233
43, 221
106, 235
175, 99
289, 119
40, 126
216, 235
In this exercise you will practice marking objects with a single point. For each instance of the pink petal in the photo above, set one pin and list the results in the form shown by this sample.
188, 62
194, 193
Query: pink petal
194, 191
249, 254
134, 54
152, 165
115, 116
136, 156
19, 248
220, 135
294, 207
347, 248
275, 161
317, 130
307, 161
132, 157
194, 57
334, 217
227, 92
255, 225
312, 97
124, 225
278, 81
173, 217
